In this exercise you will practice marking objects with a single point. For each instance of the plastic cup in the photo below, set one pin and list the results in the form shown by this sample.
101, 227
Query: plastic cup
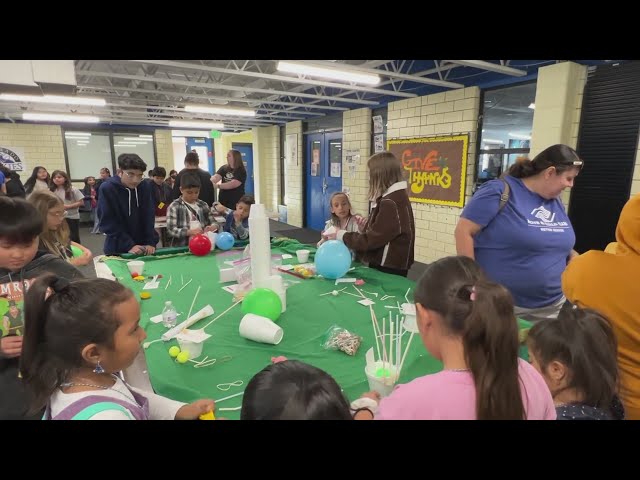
212, 237
260, 329
136, 266
381, 384
303, 256
410, 319
194, 348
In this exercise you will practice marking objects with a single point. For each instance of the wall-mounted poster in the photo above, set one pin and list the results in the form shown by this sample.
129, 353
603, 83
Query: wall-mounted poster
436, 168
13, 158
378, 143
378, 127
291, 149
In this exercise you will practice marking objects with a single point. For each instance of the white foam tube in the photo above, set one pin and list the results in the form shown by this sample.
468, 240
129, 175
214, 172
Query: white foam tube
205, 312
260, 245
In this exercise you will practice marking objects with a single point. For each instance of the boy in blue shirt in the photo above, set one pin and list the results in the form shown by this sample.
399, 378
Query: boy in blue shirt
126, 209
237, 221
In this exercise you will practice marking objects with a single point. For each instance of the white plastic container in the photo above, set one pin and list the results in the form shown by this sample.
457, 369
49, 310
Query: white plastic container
260, 329
136, 266
381, 384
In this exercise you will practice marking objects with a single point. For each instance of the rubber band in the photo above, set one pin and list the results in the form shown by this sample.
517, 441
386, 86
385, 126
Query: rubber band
227, 386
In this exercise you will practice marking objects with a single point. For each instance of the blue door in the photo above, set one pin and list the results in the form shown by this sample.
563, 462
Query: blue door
204, 148
246, 150
323, 177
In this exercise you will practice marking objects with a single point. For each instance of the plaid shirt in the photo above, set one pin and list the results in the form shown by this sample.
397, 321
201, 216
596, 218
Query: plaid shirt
179, 219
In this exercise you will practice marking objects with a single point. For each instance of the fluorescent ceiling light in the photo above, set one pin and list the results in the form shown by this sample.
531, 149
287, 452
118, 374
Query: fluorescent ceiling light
240, 112
145, 136
121, 145
190, 133
77, 134
82, 141
330, 73
532, 106
136, 139
520, 136
491, 140
10, 97
187, 124
54, 117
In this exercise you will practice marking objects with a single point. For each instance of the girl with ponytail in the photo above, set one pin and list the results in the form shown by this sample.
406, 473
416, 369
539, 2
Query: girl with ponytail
467, 322
77, 337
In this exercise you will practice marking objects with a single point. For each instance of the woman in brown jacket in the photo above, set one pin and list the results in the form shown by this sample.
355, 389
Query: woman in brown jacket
387, 243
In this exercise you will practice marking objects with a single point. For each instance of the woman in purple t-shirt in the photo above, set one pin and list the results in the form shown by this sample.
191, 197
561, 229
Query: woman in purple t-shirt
526, 242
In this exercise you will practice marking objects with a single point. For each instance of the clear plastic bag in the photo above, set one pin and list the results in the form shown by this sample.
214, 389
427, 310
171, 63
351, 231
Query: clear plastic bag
338, 338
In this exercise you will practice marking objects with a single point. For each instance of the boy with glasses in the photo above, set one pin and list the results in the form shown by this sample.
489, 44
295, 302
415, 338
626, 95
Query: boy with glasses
126, 209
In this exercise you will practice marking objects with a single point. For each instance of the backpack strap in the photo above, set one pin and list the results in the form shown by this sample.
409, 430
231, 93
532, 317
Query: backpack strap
504, 198
87, 407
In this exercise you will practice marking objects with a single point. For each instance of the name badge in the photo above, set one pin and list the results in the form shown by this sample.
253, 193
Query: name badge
161, 205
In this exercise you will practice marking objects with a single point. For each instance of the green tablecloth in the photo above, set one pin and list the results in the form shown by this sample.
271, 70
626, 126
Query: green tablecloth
305, 322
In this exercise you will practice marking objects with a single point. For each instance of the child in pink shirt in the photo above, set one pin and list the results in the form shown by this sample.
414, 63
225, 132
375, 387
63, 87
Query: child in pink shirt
468, 323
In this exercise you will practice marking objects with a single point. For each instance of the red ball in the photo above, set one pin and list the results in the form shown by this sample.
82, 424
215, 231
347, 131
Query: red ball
200, 245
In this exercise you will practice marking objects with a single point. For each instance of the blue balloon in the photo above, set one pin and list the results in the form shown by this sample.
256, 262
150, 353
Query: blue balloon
225, 241
333, 259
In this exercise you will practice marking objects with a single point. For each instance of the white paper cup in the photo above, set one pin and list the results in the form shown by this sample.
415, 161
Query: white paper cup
303, 256
136, 266
212, 236
382, 385
194, 349
260, 329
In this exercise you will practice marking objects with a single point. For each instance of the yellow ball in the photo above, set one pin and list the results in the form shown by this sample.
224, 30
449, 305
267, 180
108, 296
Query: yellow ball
145, 295
174, 351
183, 357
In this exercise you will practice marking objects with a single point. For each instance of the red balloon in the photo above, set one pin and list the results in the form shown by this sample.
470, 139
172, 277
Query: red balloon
200, 245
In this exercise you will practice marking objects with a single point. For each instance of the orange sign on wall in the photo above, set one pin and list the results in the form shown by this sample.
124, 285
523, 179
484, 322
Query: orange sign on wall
436, 167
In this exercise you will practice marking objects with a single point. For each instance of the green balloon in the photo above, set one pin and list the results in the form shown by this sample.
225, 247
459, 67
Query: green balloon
77, 252
263, 302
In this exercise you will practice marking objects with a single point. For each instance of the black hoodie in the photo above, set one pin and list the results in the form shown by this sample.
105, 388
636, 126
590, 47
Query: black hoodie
13, 398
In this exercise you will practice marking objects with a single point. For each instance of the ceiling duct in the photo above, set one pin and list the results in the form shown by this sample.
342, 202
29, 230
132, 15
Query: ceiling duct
33, 77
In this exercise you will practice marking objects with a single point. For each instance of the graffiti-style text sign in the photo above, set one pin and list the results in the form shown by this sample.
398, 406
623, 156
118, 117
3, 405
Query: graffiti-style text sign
436, 168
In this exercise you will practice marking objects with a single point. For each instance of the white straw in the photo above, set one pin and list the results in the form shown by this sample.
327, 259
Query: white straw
384, 347
193, 302
398, 344
405, 352
168, 283
406, 295
391, 332
185, 285
375, 332
237, 303
353, 294
230, 396
358, 290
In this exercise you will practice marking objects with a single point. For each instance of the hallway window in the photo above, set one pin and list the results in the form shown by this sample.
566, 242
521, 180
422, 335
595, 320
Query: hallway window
507, 121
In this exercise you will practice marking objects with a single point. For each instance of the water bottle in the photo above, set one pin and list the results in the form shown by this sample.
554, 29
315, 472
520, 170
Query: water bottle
169, 315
